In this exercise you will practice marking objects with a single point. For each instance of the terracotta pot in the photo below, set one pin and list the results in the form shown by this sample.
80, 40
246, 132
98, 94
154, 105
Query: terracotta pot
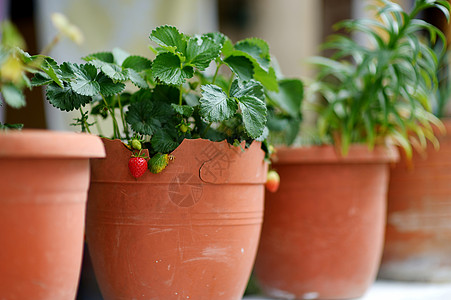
322, 236
418, 236
190, 232
44, 179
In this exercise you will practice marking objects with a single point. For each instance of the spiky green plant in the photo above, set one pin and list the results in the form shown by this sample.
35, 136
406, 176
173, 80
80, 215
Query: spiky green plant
380, 89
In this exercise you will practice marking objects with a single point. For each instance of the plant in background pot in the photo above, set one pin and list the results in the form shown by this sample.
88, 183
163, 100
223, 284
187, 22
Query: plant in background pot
417, 243
44, 179
322, 236
175, 209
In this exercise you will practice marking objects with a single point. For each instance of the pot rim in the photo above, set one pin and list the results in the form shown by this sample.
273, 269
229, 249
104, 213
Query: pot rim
38, 143
327, 154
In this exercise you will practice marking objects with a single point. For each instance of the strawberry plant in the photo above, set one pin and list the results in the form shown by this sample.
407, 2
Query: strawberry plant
175, 98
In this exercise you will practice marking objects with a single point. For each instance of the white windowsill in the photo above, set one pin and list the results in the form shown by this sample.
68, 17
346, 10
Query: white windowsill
392, 290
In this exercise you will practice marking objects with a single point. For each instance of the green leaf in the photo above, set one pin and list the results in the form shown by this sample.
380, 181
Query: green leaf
169, 38
167, 67
215, 106
249, 88
163, 141
217, 37
289, 98
111, 70
120, 56
254, 115
13, 96
147, 117
137, 79
101, 56
268, 79
241, 66
200, 51
137, 63
256, 48
108, 87
85, 82
41, 78
49, 66
184, 110
65, 98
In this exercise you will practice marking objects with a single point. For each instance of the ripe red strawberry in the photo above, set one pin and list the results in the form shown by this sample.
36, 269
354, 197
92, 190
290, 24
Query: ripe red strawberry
272, 181
137, 166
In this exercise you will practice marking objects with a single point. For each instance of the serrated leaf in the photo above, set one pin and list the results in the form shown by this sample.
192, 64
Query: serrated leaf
67, 71
184, 110
258, 49
215, 105
49, 66
268, 79
289, 97
162, 141
217, 37
165, 94
111, 70
108, 87
146, 116
137, 63
13, 96
200, 51
249, 88
65, 98
120, 56
137, 79
169, 38
158, 163
85, 81
41, 78
254, 115
101, 56
241, 66
167, 67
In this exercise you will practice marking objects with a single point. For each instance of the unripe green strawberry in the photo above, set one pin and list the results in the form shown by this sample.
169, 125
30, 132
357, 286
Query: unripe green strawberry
136, 144
272, 181
184, 128
137, 166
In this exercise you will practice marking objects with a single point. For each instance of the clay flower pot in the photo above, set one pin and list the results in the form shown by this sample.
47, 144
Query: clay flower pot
190, 232
322, 236
44, 179
418, 236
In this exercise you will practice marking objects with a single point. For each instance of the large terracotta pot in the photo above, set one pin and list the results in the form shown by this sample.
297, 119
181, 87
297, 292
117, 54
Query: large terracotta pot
44, 179
190, 232
418, 236
323, 230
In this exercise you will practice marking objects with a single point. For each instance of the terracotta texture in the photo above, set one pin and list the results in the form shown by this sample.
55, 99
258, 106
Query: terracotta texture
44, 179
190, 232
418, 236
323, 230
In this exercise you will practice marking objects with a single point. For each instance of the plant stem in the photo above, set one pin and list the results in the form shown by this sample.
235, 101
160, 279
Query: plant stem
116, 133
230, 83
124, 123
216, 72
204, 132
52, 44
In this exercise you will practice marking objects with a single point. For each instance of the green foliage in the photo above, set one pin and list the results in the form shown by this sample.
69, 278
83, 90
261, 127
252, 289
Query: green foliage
380, 90
175, 99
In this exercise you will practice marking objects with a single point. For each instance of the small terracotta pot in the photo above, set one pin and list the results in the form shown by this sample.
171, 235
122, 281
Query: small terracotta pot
44, 179
190, 232
418, 236
322, 236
